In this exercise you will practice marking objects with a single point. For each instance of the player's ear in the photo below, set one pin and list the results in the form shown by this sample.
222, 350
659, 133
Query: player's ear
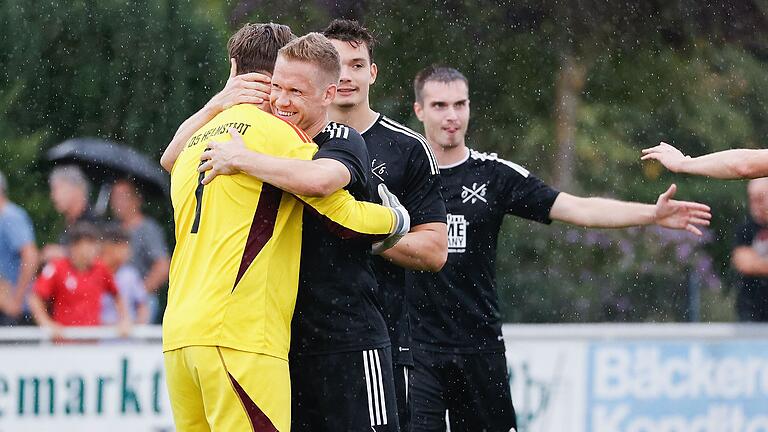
419, 111
374, 73
330, 94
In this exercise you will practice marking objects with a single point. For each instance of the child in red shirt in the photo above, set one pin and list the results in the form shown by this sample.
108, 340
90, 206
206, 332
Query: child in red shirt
75, 284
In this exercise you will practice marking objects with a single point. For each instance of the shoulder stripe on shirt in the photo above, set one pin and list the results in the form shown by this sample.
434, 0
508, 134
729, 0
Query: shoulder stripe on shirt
336, 130
298, 130
474, 154
397, 127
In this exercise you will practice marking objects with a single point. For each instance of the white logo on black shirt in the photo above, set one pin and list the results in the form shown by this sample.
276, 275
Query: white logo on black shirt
457, 233
336, 130
474, 193
378, 169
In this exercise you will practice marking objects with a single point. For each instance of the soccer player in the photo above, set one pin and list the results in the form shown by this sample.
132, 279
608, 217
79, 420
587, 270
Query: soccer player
235, 269
727, 164
341, 364
458, 347
403, 160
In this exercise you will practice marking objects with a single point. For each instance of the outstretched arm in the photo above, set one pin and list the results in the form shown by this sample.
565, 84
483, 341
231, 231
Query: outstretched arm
727, 164
607, 213
250, 88
314, 178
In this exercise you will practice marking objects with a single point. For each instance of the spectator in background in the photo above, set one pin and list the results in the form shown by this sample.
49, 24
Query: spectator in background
69, 193
149, 250
18, 257
115, 254
750, 256
75, 284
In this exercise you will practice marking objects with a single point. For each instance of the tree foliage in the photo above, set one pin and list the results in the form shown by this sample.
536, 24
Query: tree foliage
690, 73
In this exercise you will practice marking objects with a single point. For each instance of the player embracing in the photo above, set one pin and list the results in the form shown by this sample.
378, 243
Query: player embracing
458, 349
235, 269
403, 160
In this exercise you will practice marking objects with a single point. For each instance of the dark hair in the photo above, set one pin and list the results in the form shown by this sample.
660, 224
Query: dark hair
254, 47
443, 74
352, 32
82, 231
116, 234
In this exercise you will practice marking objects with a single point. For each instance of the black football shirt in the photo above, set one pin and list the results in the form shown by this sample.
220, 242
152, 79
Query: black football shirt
337, 307
456, 310
403, 160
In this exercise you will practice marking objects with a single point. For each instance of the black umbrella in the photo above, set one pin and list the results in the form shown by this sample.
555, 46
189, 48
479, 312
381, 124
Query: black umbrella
105, 161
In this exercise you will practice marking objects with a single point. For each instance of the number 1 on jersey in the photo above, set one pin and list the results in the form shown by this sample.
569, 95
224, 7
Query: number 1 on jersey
199, 203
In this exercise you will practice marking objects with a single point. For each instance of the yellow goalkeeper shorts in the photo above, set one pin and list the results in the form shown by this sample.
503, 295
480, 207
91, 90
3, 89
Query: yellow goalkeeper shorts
220, 389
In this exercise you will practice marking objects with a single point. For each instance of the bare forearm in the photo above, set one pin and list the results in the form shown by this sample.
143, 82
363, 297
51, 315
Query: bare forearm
157, 275
184, 133
142, 314
37, 308
728, 164
604, 213
420, 250
29, 262
749, 263
122, 308
296, 176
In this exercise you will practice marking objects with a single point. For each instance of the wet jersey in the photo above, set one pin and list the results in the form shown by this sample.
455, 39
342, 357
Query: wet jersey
403, 160
235, 268
337, 309
456, 309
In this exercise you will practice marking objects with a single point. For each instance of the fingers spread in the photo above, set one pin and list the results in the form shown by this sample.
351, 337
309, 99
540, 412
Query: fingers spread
255, 77
209, 177
205, 166
693, 229
698, 221
694, 206
669, 193
232, 68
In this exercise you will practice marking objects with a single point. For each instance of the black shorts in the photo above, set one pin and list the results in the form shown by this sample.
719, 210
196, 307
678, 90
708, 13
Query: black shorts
351, 391
472, 388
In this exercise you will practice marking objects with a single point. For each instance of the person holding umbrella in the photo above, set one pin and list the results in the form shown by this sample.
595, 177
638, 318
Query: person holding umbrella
69, 193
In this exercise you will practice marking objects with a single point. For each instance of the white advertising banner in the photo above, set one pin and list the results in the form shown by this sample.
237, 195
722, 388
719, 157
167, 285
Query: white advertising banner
588, 378
639, 378
548, 384
80, 387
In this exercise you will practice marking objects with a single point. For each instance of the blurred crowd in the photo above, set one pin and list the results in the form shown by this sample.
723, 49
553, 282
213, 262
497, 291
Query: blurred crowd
104, 269
111, 269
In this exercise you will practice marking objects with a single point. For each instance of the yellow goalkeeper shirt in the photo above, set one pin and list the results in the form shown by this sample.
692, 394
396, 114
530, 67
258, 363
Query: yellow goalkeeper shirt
234, 271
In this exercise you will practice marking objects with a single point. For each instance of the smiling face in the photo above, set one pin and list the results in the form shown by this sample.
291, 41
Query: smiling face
444, 110
301, 94
357, 74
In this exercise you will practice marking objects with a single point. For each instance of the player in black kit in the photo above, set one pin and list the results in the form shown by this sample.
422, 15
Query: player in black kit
460, 366
403, 160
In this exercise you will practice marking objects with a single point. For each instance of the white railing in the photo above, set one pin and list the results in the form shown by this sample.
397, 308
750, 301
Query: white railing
512, 332
20, 334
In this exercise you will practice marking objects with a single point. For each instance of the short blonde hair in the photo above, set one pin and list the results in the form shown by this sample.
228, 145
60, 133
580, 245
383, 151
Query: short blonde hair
316, 49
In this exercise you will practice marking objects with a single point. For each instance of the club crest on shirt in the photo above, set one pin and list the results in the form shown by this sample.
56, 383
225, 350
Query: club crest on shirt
379, 169
474, 193
457, 233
